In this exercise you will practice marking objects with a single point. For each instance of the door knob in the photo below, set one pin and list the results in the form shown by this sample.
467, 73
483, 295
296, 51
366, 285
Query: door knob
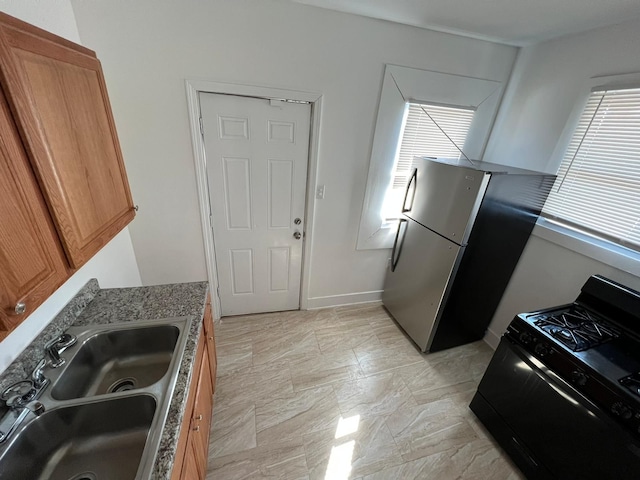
297, 235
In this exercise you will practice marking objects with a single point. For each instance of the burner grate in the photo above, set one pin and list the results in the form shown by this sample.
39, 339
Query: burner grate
576, 328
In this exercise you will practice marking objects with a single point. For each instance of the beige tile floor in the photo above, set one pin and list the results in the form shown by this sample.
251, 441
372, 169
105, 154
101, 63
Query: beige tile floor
341, 393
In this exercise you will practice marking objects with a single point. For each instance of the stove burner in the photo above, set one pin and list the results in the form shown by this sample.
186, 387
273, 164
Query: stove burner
576, 328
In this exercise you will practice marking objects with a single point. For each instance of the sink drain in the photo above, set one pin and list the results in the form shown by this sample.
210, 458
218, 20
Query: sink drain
121, 385
85, 476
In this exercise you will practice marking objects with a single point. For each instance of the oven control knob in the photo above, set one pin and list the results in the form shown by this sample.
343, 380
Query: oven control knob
579, 378
542, 350
525, 338
621, 410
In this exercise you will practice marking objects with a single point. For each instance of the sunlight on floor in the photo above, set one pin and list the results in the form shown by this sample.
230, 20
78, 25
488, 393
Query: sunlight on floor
347, 426
339, 466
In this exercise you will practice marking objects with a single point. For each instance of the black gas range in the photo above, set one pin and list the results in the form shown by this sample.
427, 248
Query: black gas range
562, 392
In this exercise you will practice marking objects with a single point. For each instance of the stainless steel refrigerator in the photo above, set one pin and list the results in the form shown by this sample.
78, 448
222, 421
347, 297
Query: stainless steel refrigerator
462, 230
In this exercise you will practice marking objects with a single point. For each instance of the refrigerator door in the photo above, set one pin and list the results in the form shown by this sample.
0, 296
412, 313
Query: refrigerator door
445, 197
416, 283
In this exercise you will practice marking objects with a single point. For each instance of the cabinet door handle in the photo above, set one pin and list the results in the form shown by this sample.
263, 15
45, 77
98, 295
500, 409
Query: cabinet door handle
199, 417
21, 307
196, 429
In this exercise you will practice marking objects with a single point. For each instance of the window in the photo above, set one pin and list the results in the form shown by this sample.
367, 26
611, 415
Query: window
421, 136
598, 184
402, 86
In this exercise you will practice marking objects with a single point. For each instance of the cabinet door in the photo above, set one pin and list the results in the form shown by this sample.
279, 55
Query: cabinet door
211, 343
190, 469
202, 415
32, 263
184, 441
59, 98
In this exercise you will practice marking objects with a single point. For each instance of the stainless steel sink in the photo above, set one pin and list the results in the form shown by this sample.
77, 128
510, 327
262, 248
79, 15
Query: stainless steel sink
94, 441
106, 406
117, 361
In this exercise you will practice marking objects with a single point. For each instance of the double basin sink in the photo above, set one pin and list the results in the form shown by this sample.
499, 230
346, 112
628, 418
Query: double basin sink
105, 408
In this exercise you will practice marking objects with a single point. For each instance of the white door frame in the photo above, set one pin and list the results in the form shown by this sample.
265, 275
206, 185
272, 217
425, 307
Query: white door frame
194, 87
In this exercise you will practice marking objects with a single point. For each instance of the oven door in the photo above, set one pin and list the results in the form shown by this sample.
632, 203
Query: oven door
549, 429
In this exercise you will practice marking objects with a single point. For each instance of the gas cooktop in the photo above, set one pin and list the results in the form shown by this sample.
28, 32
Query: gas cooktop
575, 327
584, 338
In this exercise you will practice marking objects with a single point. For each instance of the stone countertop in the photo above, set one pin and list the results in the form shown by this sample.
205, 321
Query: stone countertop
95, 306
145, 303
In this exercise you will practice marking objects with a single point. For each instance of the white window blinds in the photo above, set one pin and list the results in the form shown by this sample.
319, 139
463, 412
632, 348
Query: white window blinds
422, 137
598, 184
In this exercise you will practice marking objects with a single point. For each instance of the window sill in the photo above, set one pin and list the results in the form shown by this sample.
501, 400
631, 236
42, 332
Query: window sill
601, 250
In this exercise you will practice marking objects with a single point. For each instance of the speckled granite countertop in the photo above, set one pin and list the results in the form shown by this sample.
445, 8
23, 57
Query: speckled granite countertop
93, 306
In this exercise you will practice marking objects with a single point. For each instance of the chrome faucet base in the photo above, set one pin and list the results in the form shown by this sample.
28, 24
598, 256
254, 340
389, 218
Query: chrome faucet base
21, 398
57, 363
58, 345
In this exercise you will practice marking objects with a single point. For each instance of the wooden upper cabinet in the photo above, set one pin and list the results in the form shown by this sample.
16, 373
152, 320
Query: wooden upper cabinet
58, 96
32, 264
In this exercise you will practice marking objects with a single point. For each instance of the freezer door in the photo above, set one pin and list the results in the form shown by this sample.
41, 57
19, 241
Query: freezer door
445, 197
422, 265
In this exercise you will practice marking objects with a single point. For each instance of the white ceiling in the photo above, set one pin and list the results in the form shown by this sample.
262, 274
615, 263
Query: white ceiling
516, 22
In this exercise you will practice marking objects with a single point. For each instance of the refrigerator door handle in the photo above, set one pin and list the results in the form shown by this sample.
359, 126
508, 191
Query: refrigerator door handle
412, 181
396, 248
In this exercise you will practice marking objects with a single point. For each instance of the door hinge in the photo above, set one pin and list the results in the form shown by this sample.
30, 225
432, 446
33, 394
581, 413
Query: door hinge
218, 291
201, 127
211, 221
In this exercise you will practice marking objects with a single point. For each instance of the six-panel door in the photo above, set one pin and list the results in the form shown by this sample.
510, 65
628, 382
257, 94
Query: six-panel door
257, 153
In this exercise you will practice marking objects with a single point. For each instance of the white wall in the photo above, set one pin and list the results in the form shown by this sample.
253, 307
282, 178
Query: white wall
54, 16
115, 265
148, 48
547, 81
545, 87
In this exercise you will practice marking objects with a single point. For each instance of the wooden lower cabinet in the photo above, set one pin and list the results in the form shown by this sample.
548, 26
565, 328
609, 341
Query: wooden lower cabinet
190, 466
193, 444
210, 342
201, 420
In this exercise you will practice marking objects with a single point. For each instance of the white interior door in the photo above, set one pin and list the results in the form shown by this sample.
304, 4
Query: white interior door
257, 154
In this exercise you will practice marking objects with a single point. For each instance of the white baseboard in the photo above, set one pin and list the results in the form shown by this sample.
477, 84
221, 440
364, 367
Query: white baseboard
492, 339
345, 299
